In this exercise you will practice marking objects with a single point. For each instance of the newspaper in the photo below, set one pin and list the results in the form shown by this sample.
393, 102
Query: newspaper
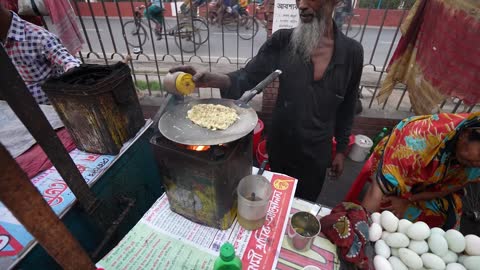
323, 254
163, 239
56, 193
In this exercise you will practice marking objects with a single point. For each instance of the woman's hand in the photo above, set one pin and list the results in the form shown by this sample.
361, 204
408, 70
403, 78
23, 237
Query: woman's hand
396, 205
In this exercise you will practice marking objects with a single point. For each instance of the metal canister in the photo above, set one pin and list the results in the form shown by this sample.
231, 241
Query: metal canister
179, 83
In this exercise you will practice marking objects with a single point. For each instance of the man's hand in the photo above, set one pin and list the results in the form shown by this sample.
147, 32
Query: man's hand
396, 205
204, 79
198, 77
337, 165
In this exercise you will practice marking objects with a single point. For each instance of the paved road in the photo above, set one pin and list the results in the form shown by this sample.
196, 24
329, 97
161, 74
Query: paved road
220, 44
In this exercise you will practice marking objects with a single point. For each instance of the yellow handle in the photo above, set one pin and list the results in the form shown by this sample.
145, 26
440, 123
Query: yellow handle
184, 84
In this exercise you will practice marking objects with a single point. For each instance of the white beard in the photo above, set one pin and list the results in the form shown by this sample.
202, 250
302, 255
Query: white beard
306, 37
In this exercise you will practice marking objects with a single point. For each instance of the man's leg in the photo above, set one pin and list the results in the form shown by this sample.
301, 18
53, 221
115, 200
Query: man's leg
310, 183
220, 13
155, 14
310, 175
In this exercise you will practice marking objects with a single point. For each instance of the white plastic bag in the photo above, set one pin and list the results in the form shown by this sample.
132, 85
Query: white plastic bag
32, 7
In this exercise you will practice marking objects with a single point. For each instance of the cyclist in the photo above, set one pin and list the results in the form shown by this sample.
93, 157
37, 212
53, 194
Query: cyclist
240, 8
155, 13
187, 4
225, 6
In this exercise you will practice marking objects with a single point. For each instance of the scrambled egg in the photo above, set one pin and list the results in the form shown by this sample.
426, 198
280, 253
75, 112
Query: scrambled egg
212, 116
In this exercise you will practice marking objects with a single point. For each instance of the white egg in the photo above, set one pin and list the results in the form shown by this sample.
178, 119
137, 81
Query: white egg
432, 261
418, 231
462, 258
438, 245
375, 232
397, 264
403, 225
437, 230
389, 221
418, 247
455, 266
385, 234
381, 263
397, 240
382, 249
472, 245
450, 257
456, 241
394, 252
472, 262
410, 258
376, 218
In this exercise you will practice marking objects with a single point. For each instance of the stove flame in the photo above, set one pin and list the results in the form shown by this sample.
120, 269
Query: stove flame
199, 148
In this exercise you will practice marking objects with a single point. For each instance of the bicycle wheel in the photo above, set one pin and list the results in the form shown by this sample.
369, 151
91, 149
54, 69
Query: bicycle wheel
201, 26
248, 29
186, 38
135, 33
231, 24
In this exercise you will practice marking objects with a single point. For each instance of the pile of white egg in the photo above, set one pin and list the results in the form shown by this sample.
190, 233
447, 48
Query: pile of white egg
403, 245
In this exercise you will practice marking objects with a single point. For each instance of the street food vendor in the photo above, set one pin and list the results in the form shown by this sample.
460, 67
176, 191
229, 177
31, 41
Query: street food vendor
420, 170
317, 94
36, 53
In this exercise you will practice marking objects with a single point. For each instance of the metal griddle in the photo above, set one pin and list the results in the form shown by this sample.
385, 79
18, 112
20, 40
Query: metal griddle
175, 125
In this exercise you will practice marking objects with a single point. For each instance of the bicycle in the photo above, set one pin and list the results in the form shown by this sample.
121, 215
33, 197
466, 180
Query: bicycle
245, 25
187, 34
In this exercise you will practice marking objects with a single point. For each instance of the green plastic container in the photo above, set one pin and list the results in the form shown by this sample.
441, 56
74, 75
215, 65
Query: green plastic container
227, 259
382, 134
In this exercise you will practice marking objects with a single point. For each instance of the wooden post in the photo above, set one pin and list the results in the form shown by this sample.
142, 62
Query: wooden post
25, 202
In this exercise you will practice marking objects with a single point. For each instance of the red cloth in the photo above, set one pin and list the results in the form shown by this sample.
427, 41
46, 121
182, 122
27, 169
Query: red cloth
35, 161
347, 227
437, 55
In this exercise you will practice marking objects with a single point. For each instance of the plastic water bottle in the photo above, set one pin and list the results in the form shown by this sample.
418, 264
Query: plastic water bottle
227, 259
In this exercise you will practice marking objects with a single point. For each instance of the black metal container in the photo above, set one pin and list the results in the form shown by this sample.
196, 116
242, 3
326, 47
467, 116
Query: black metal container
98, 105
201, 181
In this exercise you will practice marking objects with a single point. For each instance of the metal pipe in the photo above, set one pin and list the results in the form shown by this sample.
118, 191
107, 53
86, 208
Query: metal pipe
126, 43
77, 10
109, 27
98, 32
153, 47
22, 198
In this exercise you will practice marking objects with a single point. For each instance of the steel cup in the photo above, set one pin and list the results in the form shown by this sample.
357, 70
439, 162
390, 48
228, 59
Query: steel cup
302, 230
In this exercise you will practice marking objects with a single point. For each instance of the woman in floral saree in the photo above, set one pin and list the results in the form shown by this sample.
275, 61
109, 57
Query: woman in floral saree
420, 170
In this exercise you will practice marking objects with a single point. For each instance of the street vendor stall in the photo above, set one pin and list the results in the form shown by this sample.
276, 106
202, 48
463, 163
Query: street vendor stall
163, 239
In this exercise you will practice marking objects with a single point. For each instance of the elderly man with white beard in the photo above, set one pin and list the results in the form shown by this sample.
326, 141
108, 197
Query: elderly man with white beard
316, 98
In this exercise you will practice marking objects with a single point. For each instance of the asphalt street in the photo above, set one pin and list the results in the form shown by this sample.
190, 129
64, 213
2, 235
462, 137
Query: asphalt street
222, 45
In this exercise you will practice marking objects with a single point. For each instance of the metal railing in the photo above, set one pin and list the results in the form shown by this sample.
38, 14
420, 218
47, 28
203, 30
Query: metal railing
225, 50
